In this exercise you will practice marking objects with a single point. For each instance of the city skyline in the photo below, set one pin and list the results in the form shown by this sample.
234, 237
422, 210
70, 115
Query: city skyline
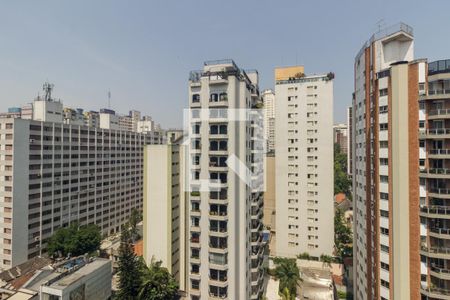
87, 51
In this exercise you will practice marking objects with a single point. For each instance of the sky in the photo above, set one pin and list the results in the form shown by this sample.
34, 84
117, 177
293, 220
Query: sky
142, 51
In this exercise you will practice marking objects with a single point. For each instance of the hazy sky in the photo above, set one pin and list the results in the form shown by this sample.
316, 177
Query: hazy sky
143, 50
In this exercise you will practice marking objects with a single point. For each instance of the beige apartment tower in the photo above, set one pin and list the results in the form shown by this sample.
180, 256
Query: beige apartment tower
304, 164
225, 213
164, 208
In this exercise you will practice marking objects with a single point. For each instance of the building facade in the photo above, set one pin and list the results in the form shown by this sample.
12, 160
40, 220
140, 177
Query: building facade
386, 156
350, 140
304, 164
164, 209
55, 174
340, 137
225, 214
268, 97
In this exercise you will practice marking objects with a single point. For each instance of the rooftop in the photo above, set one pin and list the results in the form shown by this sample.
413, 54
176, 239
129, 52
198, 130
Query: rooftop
383, 33
61, 275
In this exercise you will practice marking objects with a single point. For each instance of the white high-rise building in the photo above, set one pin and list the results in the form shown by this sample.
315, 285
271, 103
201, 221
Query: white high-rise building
225, 236
268, 97
54, 174
304, 164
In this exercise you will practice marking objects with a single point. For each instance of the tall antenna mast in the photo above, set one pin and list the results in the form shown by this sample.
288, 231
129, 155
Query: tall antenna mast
109, 99
48, 87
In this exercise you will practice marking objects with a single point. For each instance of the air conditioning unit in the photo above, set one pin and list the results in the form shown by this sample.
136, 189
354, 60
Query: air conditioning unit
37, 238
31, 141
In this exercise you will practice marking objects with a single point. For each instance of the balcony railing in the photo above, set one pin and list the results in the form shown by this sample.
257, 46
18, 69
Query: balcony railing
437, 171
438, 131
436, 250
440, 270
218, 246
440, 191
439, 112
218, 229
439, 92
440, 230
437, 210
439, 151
436, 290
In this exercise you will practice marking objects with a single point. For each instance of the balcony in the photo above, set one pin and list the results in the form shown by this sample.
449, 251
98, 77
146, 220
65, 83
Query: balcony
439, 133
443, 173
440, 273
439, 153
435, 211
435, 252
441, 233
218, 245
436, 94
436, 293
439, 113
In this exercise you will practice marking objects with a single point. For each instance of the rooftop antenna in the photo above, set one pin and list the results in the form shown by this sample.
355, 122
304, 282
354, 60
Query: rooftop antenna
381, 24
109, 99
48, 87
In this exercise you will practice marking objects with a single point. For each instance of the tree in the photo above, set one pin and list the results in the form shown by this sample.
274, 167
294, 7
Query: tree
326, 259
74, 240
342, 236
286, 271
286, 295
135, 218
342, 183
304, 255
158, 283
129, 268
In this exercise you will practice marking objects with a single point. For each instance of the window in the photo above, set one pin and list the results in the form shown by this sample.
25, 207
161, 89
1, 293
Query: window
383, 92
384, 213
223, 97
384, 161
384, 196
384, 231
383, 144
383, 126
383, 109
214, 97
384, 179
384, 248
384, 266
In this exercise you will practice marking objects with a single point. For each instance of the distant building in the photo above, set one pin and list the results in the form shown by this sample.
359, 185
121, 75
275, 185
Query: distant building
173, 135
304, 163
350, 145
268, 97
340, 137
76, 278
108, 119
269, 194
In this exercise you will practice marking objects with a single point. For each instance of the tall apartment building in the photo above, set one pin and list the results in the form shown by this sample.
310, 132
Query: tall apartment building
340, 136
268, 97
304, 164
54, 174
386, 186
349, 140
225, 214
434, 161
164, 208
